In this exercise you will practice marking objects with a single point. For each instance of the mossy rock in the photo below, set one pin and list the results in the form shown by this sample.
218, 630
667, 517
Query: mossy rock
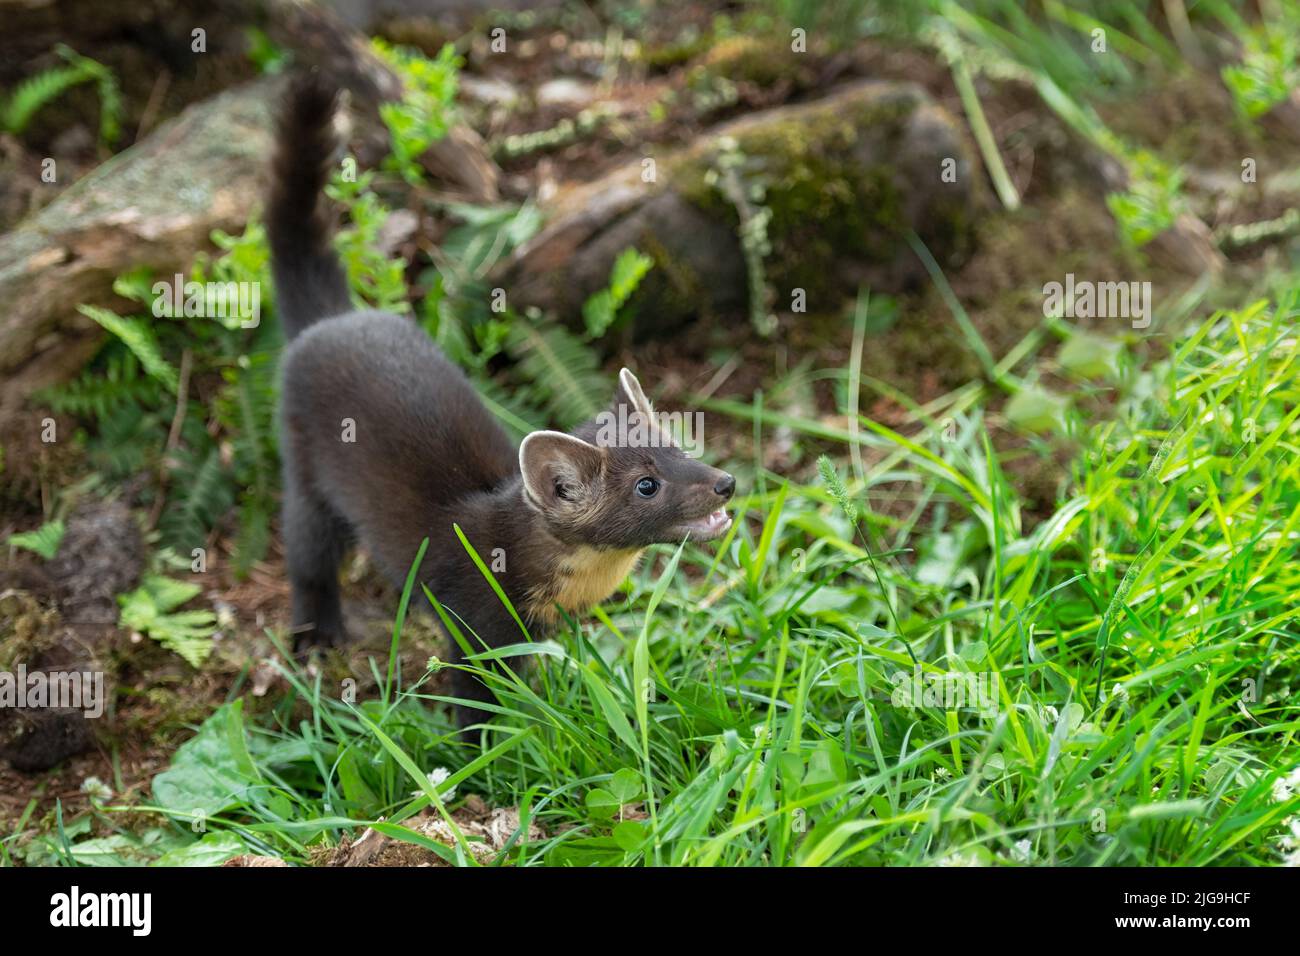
683, 48
765, 61
846, 179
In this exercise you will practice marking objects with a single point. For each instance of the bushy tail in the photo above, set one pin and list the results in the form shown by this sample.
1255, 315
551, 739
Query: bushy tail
309, 281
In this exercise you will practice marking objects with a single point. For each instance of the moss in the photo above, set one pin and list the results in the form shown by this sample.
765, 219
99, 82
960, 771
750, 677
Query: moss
683, 48
28, 629
421, 33
826, 204
27, 464
765, 61
924, 355
677, 291
159, 714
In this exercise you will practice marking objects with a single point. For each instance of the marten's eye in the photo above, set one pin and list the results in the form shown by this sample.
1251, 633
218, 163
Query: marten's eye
646, 487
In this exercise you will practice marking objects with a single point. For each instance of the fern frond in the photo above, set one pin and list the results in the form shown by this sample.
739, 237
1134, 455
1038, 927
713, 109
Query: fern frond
167, 594
201, 494
150, 609
561, 370
129, 439
601, 309
136, 335
245, 409
34, 94
254, 537
110, 94
45, 540
100, 392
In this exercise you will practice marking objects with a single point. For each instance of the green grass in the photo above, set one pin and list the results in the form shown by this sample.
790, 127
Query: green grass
740, 705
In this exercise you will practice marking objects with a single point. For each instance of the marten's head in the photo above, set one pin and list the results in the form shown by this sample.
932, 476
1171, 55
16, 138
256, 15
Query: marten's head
621, 481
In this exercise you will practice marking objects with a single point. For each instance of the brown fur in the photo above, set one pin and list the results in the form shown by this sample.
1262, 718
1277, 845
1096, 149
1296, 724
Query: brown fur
564, 518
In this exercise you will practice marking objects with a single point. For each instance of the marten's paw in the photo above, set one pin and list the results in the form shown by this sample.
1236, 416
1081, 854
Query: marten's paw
311, 637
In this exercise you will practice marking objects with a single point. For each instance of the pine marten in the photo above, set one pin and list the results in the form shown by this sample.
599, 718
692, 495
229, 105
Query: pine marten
385, 442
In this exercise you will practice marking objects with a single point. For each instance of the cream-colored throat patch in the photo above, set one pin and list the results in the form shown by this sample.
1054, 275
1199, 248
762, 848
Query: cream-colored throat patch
583, 578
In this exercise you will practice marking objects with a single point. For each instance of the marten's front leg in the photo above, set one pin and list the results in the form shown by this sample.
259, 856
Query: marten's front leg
490, 627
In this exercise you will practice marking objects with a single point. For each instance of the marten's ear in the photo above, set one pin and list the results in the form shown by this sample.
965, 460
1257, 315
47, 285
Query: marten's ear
558, 468
629, 393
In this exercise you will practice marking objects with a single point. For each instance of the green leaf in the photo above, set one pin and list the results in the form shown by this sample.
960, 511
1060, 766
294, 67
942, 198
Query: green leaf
424, 113
630, 835
614, 716
626, 785
1035, 409
212, 772
136, 335
150, 609
1089, 356
212, 850
601, 310
602, 804
586, 851
118, 849
826, 767
45, 540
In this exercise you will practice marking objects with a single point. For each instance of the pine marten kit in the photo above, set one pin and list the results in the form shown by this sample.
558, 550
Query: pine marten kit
571, 513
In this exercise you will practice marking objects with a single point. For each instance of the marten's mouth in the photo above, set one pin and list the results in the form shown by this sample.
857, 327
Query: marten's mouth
708, 527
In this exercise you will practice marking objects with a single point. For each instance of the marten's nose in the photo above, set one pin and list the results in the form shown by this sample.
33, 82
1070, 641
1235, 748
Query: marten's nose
725, 486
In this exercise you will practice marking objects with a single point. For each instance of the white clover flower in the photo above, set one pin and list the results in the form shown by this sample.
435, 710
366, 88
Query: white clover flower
1291, 839
436, 776
1289, 843
1284, 788
96, 789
